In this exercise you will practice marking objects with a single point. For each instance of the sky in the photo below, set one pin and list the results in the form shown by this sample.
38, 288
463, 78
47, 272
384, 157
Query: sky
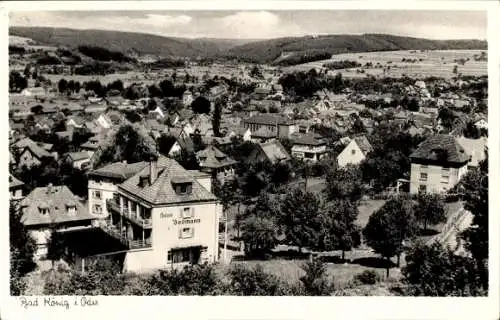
267, 24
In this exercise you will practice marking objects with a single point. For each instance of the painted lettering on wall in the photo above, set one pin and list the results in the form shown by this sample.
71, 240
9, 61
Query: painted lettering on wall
187, 221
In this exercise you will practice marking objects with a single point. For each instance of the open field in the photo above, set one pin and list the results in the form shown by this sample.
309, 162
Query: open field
439, 63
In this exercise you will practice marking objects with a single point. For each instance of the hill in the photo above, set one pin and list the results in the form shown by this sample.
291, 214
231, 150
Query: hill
276, 49
129, 43
281, 51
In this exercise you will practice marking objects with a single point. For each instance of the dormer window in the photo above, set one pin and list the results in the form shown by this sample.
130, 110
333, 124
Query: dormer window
143, 181
71, 209
182, 185
44, 211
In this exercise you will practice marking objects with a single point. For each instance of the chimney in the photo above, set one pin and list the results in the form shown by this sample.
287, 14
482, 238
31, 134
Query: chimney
124, 161
152, 172
49, 188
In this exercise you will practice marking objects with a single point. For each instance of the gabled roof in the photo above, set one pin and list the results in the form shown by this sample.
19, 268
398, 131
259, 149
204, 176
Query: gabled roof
363, 144
119, 170
76, 156
441, 145
274, 151
309, 139
161, 191
213, 158
56, 199
37, 151
269, 119
14, 182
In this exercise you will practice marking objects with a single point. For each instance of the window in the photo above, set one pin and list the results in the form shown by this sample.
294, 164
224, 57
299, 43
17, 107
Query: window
182, 188
424, 166
97, 209
423, 176
353, 151
44, 211
186, 233
169, 255
187, 213
308, 155
71, 210
422, 188
97, 194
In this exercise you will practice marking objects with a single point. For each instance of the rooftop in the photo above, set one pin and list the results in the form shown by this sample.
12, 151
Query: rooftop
119, 170
56, 199
269, 119
161, 191
213, 158
441, 147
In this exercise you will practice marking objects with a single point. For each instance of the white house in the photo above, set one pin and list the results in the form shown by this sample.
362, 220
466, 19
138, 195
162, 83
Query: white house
309, 147
167, 218
481, 124
438, 164
355, 152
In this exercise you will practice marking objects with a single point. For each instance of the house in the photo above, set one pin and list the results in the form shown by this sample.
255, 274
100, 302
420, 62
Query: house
187, 98
95, 108
272, 151
323, 105
78, 160
52, 208
481, 124
244, 133
104, 122
16, 187
281, 126
167, 218
309, 147
216, 163
355, 151
45, 124
75, 122
437, 164
476, 148
32, 155
263, 134
103, 186
34, 92
157, 113
181, 142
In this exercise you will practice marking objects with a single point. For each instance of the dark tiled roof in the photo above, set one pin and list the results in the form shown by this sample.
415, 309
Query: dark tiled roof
363, 144
119, 170
273, 151
213, 158
269, 119
161, 191
56, 199
75, 156
441, 147
309, 139
263, 132
36, 150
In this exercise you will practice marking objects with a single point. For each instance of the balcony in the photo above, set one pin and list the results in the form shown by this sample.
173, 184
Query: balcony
131, 244
132, 217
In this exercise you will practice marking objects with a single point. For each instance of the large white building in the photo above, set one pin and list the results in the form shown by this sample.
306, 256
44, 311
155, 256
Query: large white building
167, 217
438, 164
103, 185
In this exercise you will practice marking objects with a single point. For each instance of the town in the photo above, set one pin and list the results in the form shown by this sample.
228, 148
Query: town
316, 173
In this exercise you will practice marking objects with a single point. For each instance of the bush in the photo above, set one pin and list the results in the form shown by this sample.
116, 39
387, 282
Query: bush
367, 277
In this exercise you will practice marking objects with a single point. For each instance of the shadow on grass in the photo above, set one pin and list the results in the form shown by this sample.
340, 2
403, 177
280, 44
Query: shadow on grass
429, 232
374, 262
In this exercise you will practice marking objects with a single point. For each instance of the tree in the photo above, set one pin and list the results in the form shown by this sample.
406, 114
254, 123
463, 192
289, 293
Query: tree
37, 109
389, 226
339, 230
300, 218
116, 85
259, 227
102, 277
56, 246
201, 105
22, 251
17, 82
27, 71
474, 189
344, 183
255, 282
216, 117
165, 143
315, 280
256, 72
62, 85
437, 271
130, 143
429, 210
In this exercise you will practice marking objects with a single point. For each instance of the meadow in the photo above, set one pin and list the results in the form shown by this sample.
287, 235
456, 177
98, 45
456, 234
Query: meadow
438, 63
